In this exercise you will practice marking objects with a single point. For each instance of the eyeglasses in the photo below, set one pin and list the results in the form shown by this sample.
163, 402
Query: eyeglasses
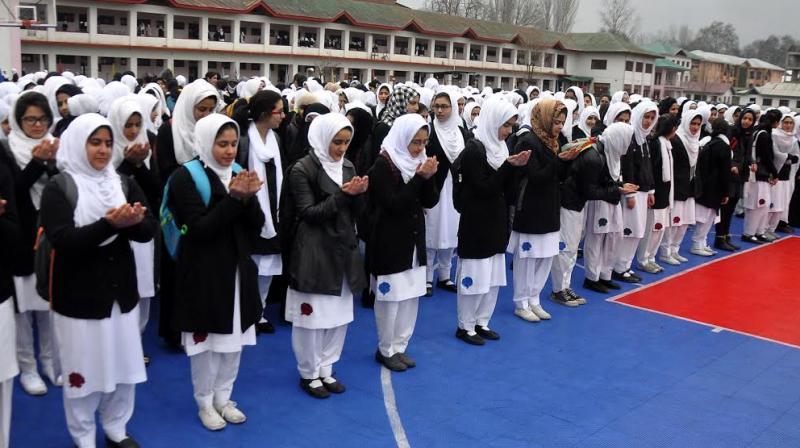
278, 112
32, 121
418, 143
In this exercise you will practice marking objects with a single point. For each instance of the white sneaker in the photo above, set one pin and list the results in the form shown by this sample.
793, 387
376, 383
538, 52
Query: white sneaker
713, 252
32, 384
656, 266
649, 268
669, 260
702, 252
540, 312
680, 258
526, 314
231, 413
211, 419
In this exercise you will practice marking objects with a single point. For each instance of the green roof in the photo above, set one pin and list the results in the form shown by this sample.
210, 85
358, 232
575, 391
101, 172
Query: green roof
669, 65
665, 49
602, 43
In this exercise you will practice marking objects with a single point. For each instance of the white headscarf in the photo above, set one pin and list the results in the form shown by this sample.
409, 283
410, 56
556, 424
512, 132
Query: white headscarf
353, 95
467, 115
22, 147
578, 98
82, 104
207, 129
120, 112
641, 133
320, 134
616, 138
52, 85
431, 83
590, 111
617, 97
130, 82
396, 143
783, 143
181, 80
613, 112
154, 89
566, 130
98, 191
261, 152
5, 109
494, 113
370, 99
7, 88
449, 132
383, 104
729, 115
690, 141
251, 87
148, 103
531, 89
183, 122
110, 93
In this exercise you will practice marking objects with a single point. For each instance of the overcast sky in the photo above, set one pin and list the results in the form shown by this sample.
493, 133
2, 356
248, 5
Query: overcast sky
753, 19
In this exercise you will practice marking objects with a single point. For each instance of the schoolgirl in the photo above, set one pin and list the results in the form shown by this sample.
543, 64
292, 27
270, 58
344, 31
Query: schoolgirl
471, 112
741, 139
384, 92
587, 120
9, 234
763, 174
404, 99
785, 151
361, 145
712, 179
62, 96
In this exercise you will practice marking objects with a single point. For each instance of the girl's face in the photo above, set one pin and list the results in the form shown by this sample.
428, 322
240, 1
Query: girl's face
625, 97
713, 115
694, 126
747, 121
587, 101
98, 148
624, 117
461, 103
61, 99
558, 124
383, 95
788, 125
413, 105
506, 129
342, 101
225, 146
339, 144
534, 94
277, 115
6, 126
204, 108
736, 116
419, 142
591, 122
132, 126
673, 110
425, 114
570, 94
693, 106
648, 119
442, 108
605, 100
475, 112
35, 122
672, 133
154, 114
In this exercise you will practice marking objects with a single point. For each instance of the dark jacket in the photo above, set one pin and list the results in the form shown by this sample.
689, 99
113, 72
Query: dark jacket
165, 152
397, 218
577, 133
682, 178
379, 132
713, 173
764, 156
88, 278
28, 216
740, 144
636, 166
538, 209
9, 233
483, 225
593, 180
434, 148
263, 246
661, 188
218, 243
325, 249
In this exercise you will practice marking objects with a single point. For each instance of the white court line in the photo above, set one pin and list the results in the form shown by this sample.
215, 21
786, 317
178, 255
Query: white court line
714, 327
391, 409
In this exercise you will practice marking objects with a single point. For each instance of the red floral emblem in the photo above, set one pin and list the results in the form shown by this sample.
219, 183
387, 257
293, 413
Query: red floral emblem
676, 219
199, 337
306, 309
659, 226
762, 202
76, 380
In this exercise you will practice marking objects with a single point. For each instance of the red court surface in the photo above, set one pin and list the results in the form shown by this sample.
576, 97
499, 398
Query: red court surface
754, 293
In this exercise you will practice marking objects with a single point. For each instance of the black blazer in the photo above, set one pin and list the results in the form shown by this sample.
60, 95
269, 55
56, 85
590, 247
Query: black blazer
263, 246
397, 218
593, 180
9, 233
661, 188
577, 133
165, 152
713, 173
483, 225
538, 211
636, 166
681, 171
88, 278
218, 243
325, 248
764, 156
434, 148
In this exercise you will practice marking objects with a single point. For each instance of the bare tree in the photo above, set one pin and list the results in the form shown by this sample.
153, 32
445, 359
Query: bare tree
465, 8
551, 15
619, 17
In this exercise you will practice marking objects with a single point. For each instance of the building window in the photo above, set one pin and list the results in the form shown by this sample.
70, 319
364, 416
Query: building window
783, 103
766, 102
639, 67
599, 64
546, 84
798, 104
105, 20
560, 61
658, 78
628, 66
628, 88
752, 100
646, 91
648, 68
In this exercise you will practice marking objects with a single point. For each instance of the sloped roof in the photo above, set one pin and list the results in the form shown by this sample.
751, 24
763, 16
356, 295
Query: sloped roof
758, 63
718, 88
669, 65
665, 49
602, 43
782, 89
718, 58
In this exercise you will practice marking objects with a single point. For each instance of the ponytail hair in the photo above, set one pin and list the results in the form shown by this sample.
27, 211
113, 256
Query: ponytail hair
260, 104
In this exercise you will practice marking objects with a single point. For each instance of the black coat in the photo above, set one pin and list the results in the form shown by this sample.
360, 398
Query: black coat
682, 178
434, 148
483, 225
577, 133
88, 278
325, 249
636, 166
764, 156
538, 210
9, 233
263, 246
397, 218
218, 242
713, 174
593, 180
661, 188
165, 152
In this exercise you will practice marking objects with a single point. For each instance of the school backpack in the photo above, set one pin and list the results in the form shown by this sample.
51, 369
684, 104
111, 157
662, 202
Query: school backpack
169, 227
44, 253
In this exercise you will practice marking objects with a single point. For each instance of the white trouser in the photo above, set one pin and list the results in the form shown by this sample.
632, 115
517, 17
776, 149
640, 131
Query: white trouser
648, 246
598, 254
317, 350
530, 275
673, 238
264, 281
700, 235
115, 408
476, 309
755, 220
395, 322
213, 375
441, 260
773, 220
6, 389
626, 251
144, 313
48, 348
572, 224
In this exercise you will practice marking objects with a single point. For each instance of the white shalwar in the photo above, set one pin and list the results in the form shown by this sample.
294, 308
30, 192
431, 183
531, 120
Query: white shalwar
441, 233
634, 223
704, 218
572, 225
781, 197
319, 326
8, 368
144, 256
682, 215
603, 231
268, 267
657, 226
215, 357
533, 257
479, 282
32, 307
396, 305
102, 362
756, 207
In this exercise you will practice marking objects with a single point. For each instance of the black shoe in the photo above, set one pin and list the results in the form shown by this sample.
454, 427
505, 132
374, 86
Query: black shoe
609, 284
574, 296
487, 333
392, 363
127, 442
784, 228
562, 298
635, 276
429, 290
316, 392
447, 285
407, 360
335, 387
764, 239
730, 243
580, 253
721, 243
265, 327
146, 361
739, 215
595, 286
367, 299
751, 239
626, 277
472, 340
